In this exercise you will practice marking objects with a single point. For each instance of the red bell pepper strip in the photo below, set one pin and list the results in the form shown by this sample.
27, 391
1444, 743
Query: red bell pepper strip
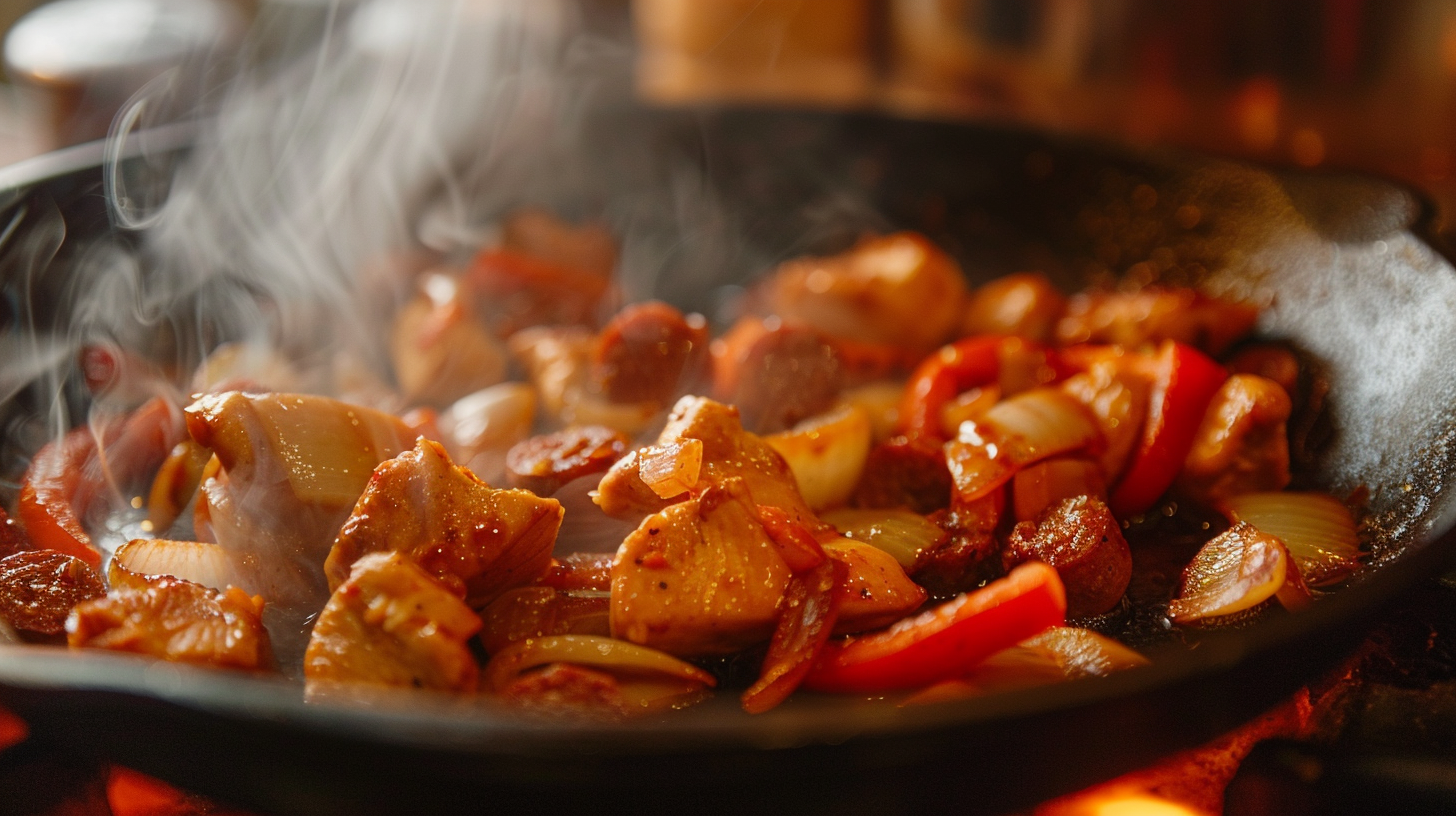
1184, 383
960, 366
68, 475
947, 641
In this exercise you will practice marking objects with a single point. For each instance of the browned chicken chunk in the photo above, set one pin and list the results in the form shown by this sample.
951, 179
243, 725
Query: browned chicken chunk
471, 537
1023, 305
177, 620
1151, 315
895, 289
1083, 542
702, 577
728, 452
1241, 447
38, 589
390, 624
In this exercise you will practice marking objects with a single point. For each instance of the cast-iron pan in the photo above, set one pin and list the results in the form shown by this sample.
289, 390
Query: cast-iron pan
1339, 261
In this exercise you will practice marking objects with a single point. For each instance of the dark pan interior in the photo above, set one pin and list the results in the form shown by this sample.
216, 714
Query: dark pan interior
1339, 261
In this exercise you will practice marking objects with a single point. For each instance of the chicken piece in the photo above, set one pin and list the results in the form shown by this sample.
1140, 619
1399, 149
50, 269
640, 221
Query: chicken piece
1022, 305
1241, 446
650, 352
702, 577
542, 464
1118, 399
1080, 539
390, 624
1152, 315
469, 536
38, 589
776, 375
293, 468
896, 289
876, 591
728, 452
177, 620
439, 351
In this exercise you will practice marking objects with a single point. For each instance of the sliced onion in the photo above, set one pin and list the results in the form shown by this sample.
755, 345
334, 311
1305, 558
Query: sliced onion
1236, 571
484, 425
901, 533
1042, 422
1318, 530
608, 654
969, 406
881, 403
671, 469
1044, 484
534, 612
195, 561
1017, 432
1058, 654
826, 454
175, 484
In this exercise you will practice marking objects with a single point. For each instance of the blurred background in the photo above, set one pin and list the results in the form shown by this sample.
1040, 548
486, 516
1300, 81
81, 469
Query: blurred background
1363, 84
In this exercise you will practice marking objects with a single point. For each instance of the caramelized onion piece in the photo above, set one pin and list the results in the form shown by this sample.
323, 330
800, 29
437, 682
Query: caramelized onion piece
484, 425
535, 612
811, 607
1242, 445
875, 591
1117, 397
1060, 653
1317, 529
439, 351
1018, 431
901, 533
826, 454
671, 470
616, 656
1237, 570
176, 483
196, 561
881, 403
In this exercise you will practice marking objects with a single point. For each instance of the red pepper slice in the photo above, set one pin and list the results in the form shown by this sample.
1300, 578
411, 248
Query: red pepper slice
67, 475
947, 641
960, 366
1184, 383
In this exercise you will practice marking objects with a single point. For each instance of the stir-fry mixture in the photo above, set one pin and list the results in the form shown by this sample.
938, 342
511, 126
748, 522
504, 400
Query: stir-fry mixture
875, 482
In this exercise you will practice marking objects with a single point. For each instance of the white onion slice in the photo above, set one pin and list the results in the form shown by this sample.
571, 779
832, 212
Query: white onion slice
1040, 423
826, 454
1318, 530
1236, 571
195, 561
1060, 653
901, 533
607, 654
671, 469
